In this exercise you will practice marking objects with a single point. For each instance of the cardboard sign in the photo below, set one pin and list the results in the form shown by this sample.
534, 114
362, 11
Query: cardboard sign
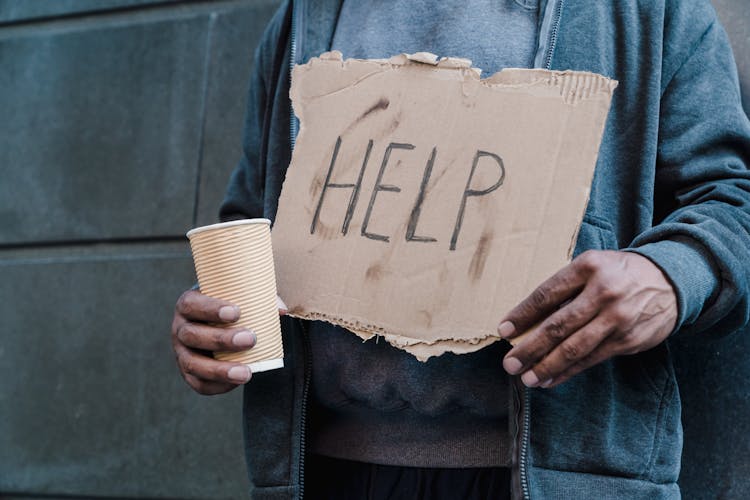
422, 202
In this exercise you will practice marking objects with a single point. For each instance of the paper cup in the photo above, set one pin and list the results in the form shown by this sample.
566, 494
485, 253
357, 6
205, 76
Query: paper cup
234, 262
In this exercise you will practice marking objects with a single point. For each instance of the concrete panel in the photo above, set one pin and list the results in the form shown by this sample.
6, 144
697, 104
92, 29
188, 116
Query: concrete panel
101, 130
24, 10
714, 377
234, 36
735, 15
91, 403
714, 374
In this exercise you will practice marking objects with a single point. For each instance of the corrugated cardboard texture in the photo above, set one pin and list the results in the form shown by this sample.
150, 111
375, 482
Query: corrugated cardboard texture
423, 202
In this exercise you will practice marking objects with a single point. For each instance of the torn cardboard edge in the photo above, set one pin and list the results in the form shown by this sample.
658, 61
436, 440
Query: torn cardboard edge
360, 99
573, 86
419, 349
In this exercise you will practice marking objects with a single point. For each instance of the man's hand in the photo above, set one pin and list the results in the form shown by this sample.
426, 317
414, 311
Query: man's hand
194, 337
603, 304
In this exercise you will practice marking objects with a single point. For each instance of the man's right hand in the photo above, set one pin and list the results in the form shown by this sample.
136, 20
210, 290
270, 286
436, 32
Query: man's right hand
194, 339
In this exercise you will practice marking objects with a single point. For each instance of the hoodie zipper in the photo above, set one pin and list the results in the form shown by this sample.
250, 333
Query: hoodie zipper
553, 34
292, 62
303, 409
523, 452
525, 444
306, 339
525, 418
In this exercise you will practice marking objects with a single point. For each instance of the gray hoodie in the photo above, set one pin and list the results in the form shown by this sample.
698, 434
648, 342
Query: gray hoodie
671, 183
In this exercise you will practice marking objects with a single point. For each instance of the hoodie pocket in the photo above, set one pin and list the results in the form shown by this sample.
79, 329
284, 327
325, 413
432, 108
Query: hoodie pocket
618, 418
595, 233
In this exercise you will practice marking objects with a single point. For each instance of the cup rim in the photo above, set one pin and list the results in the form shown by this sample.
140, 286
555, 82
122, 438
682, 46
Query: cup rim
222, 225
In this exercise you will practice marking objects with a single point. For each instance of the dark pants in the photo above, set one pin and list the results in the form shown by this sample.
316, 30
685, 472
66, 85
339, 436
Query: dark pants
334, 479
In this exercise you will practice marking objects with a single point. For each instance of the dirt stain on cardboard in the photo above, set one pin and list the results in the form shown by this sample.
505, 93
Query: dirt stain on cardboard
315, 186
426, 317
325, 231
374, 272
297, 311
443, 276
382, 104
479, 259
392, 127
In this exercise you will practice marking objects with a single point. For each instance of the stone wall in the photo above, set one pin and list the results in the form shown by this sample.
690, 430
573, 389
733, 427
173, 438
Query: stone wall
120, 123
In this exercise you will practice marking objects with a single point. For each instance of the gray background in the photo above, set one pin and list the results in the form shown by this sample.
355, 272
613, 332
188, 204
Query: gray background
120, 121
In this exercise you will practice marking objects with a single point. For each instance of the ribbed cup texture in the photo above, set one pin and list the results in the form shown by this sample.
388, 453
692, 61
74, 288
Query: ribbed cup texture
235, 263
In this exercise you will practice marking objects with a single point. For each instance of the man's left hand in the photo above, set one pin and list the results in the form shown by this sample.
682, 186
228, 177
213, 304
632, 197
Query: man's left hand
602, 304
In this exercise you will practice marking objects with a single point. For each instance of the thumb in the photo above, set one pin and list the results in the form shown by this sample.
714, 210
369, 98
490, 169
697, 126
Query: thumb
283, 309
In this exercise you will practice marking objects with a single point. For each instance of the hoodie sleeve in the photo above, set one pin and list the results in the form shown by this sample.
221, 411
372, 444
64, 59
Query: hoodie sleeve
702, 241
246, 195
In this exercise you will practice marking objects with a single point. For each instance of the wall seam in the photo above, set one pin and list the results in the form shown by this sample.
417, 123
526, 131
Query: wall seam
204, 106
164, 8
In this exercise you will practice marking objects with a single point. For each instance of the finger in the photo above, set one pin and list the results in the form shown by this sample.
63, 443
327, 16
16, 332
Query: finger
195, 306
547, 297
210, 338
208, 369
570, 352
551, 332
601, 353
283, 309
520, 337
206, 387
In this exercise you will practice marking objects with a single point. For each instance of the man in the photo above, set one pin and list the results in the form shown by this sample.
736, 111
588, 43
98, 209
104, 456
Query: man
591, 409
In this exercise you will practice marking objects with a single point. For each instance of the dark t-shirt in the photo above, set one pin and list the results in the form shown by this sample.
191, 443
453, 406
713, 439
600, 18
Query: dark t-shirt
376, 403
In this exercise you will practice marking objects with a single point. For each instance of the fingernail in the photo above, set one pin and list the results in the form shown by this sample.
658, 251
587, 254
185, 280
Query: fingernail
530, 379
229, 313
512, 365
547, 383
280, 304
506, 329
244, 339
239, 374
